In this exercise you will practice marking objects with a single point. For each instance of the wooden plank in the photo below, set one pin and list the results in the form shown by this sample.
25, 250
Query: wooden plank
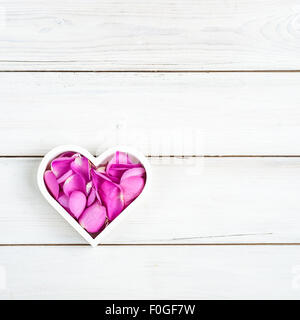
212, 200
215, 272
161, 114
155, 35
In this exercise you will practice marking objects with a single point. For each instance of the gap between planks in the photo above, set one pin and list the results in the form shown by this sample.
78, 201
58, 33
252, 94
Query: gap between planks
143, 71
144, 244
175, 156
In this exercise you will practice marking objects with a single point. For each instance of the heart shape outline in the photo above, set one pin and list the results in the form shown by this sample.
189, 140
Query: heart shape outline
96, 161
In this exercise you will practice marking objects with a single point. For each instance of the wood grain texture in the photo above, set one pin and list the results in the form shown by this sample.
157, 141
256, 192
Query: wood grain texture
225, 200
151, 272
143, 35
193, 200
160, 114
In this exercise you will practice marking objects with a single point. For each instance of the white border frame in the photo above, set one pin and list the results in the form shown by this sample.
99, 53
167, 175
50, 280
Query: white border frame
96, 161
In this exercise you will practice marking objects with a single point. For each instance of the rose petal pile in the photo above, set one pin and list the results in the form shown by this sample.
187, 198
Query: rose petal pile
94, 196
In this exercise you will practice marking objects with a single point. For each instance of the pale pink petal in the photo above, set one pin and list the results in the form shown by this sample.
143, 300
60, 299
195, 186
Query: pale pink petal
74, 183
65, 176
101, 169
63, 200
135, 172
132, 187
93, 218
132, 184
51, 183
77, 202
81, 166
60, 166
88, 187
91, 197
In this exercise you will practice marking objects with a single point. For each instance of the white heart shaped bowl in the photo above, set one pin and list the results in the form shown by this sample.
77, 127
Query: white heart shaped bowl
96, 161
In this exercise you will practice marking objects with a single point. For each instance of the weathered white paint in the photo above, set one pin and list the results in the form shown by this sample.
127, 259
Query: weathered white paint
211, 200
164, 113
173, 272
150, 35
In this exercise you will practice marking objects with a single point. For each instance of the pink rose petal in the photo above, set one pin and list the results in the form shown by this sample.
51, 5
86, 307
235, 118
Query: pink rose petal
114, 179
93, 218
51, 183
91, 197
118, 158
77, 202
81, 166
132, 187
63, 200
88, 187
135, 172
122, 158
98, 196
110, 193
60, 166
116, 171
112, 198
74, 183
98, 177
67, 154
64, 177
101, 169
126, 166
132, 184
85, 188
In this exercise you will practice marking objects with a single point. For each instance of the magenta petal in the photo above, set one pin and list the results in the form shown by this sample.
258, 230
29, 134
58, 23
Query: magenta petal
81, 166
65, 176
60, 166
126, 166
119, 158
110, 193
51, 183
91, 197
98, 196
63, 200
77, 202
99, 177
115, 179
116, 171
74, 183
112, 198
67, 154
93, 218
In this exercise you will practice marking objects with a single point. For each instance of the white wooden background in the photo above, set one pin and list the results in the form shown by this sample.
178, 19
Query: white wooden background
209, 91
